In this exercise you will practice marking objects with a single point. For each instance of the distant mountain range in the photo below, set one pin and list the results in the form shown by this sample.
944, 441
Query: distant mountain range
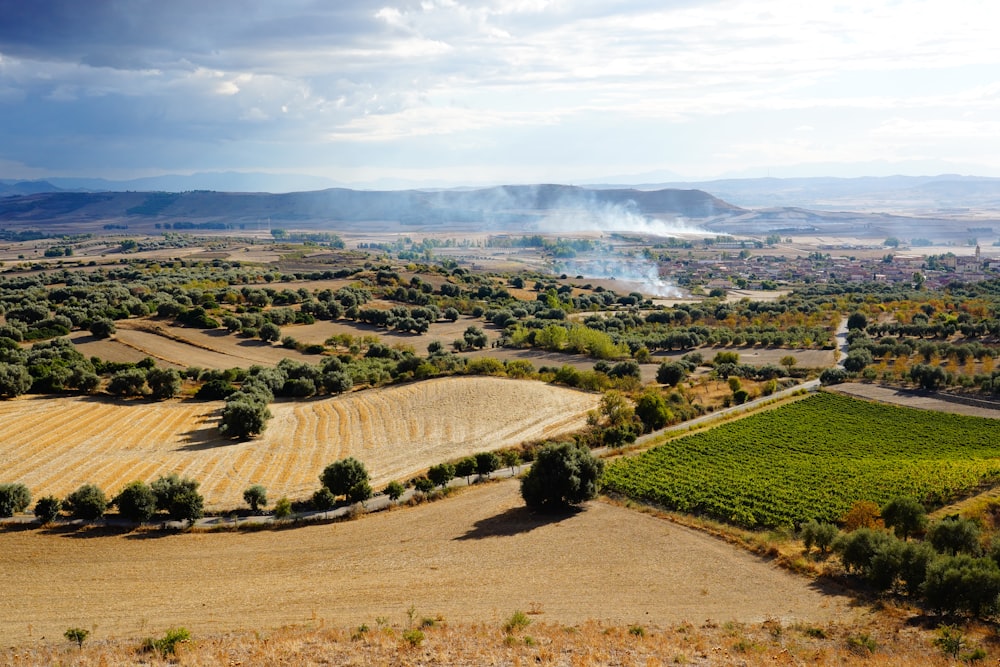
888, 193
523, 207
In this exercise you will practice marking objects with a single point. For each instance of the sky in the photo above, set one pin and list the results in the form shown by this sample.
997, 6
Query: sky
447, 92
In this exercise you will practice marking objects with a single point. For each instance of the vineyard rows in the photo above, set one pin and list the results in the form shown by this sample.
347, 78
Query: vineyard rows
54, 445
812, 460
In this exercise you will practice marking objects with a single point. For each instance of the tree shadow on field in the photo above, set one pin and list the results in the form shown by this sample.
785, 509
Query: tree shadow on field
85, 531
199, 439
515, 521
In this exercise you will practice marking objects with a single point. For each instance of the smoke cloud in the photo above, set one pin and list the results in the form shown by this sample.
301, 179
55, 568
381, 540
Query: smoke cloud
611, 219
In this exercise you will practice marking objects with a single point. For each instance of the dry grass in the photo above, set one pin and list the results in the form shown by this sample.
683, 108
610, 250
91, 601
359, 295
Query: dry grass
549, 644
54, 445
475, 558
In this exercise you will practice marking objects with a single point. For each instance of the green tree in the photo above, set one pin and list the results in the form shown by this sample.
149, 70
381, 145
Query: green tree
14, 380
163, 382
906, 516
671, 373
857, 321
322, 500
179, 497
562, 474
394, 490
47, 509
475, 338
466, 468
102, 327
441, 473
255, 496
954, 535
486, 463
14, 498
269, 332
244, 418
511, 459
136, 502
128, 382
341, 476
360, 492
788, 361
962, 583
88, 503
652, 410
615, 408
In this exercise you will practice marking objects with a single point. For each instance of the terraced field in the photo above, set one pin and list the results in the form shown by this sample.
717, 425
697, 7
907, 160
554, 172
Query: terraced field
55, 445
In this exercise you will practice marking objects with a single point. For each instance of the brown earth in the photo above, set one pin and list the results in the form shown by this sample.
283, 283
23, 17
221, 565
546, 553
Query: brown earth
53, 445
477, 557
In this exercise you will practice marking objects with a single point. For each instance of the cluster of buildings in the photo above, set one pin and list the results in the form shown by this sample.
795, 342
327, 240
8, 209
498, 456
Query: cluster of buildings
755, 271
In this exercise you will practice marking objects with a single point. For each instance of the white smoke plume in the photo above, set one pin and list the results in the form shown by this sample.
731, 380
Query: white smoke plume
609, 219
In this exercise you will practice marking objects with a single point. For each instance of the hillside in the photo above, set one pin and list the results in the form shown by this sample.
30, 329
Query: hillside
521, 205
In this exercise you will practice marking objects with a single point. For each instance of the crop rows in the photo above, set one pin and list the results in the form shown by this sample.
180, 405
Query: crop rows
55, 445
812, 460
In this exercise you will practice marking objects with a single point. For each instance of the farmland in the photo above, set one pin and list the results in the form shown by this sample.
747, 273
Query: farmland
54, 445
812, 460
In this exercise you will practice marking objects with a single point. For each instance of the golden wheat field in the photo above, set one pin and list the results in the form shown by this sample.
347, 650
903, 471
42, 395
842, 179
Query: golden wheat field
53, 445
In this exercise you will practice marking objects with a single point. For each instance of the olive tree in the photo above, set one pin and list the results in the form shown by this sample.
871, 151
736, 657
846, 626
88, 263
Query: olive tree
88, 503
14, 498
14, 380
47, 509
255, 496
136, 502
163, 382
905, 516
441, 473
343, 475
179, 497
563, 474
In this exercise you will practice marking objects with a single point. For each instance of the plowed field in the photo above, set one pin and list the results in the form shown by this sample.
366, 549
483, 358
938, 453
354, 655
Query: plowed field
54, 445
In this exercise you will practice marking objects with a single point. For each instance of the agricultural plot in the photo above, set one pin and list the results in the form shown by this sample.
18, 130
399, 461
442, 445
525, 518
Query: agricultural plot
53, 445
812, 460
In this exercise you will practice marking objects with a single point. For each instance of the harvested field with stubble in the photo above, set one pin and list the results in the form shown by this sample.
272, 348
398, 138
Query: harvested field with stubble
474, 558
53, 445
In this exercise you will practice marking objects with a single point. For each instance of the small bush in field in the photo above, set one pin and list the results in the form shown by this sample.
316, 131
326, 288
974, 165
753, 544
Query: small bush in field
167, 645
518, 621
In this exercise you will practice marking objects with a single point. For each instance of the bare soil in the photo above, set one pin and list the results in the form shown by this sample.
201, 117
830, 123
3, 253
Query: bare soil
477, 557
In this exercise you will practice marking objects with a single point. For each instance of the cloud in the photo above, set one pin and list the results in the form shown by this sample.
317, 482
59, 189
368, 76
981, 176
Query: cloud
369, 85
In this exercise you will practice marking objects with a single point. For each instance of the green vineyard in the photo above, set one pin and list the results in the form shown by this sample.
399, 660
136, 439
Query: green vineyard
813, 459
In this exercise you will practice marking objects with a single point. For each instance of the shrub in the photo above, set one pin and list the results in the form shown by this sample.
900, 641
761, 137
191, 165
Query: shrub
322, 500
282, 508
77, 635
136, 502
88, 503
962, 583
414, 636
518, 621
167, 645
360, 492
14, 498
47, 509
863, 514
128, 382
563, 474
394, 490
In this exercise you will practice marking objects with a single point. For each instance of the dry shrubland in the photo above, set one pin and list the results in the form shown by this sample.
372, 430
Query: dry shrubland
426, 640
